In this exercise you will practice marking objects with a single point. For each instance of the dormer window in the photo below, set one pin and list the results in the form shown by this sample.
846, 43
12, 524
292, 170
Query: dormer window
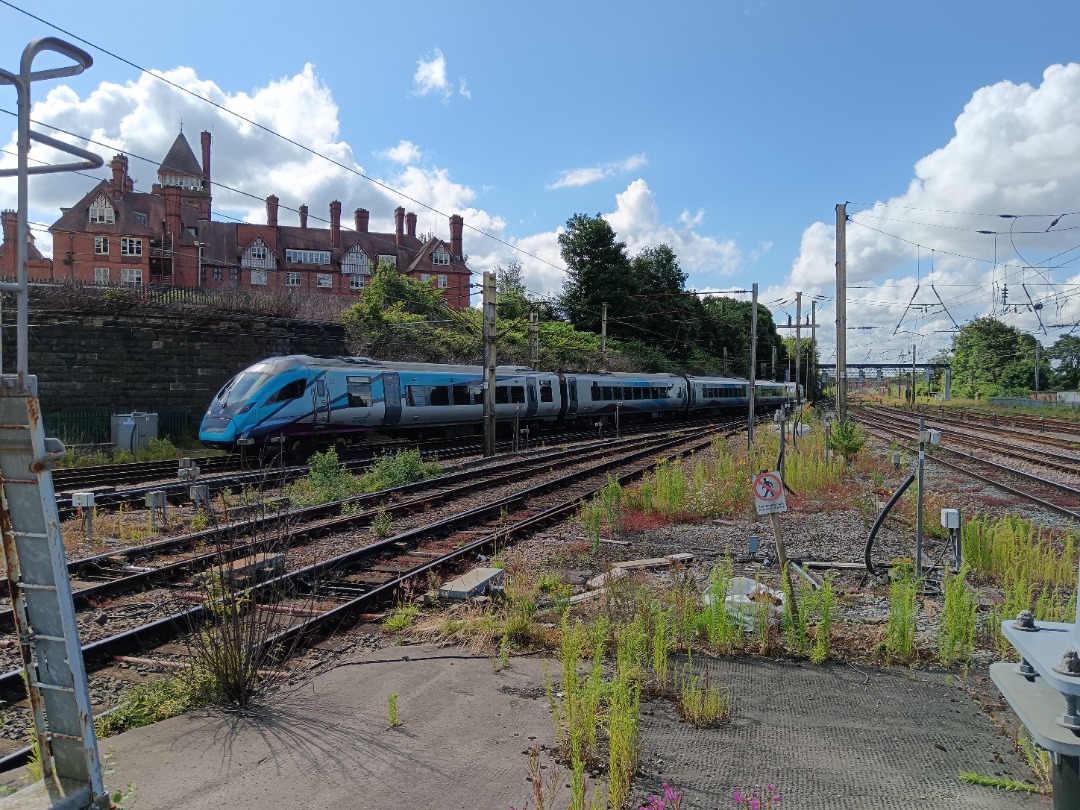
258, 255
102, 212
355, 262
307, 256
440, 256
386, 260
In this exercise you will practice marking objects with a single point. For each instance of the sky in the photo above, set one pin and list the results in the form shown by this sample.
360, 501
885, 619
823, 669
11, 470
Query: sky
728, 130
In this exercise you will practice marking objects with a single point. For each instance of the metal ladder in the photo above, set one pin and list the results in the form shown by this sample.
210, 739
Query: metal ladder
29, 524
41, 595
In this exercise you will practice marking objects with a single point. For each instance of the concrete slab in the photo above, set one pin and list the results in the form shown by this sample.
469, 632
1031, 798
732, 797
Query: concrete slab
474, 583
832, 737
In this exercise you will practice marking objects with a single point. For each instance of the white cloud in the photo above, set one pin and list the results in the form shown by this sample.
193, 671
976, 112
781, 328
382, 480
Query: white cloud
405, 152
1016, 150
431, 78
636, 221
142, 117
571, 178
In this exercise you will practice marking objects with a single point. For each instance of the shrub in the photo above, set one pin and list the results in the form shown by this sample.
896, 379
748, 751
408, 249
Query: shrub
847, 439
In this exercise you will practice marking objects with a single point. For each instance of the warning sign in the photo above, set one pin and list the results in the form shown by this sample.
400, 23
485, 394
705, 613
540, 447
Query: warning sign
769, 493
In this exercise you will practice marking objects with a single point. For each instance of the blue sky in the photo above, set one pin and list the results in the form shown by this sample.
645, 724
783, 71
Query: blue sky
728, 130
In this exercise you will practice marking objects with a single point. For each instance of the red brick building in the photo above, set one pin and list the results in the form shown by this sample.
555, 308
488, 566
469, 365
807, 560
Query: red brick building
37, 265
116, 235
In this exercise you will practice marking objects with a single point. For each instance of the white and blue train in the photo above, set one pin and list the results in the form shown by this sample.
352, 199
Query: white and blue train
315, 402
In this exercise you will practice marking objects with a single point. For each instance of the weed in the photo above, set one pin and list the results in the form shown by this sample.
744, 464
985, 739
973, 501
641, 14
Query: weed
670, 800
404, 467
147, 703
847, 439
956, 627
1039, 761
401, 619
701, 703
900, 635
327, 481
544, 789
200, 521
393, 720
660, 664
769, 799
998, 782
826, 603
624, 712
382, 524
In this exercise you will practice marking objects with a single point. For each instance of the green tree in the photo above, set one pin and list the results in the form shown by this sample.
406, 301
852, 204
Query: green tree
1066, 351
400, 318
598, 271
991, 359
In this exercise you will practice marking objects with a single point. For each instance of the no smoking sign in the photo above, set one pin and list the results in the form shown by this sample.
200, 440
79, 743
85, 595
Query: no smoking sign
769, 493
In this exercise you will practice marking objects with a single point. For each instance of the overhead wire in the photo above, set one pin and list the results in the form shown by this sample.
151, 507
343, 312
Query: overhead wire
314, 152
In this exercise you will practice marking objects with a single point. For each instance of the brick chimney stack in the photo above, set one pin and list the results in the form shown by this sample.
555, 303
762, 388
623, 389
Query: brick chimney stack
360, 219
119, 166
303, 216
271, 210
399, 223
457, 225
172, 211
129, 185
410, 224
335, 223
11, 223
204, 206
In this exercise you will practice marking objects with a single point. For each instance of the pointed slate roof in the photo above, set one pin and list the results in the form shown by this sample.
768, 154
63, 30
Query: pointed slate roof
181, 160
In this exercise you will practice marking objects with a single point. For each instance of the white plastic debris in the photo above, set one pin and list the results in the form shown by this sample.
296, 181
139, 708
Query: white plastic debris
745, 597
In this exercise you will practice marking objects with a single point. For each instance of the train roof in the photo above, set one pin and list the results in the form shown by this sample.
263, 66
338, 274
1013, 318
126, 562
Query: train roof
369, 364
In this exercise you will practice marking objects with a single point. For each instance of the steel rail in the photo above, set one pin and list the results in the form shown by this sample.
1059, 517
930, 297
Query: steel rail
1049, 505
96, 651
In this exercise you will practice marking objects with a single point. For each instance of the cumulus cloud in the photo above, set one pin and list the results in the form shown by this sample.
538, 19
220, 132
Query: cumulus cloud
571, 178
1015, 151
431, 78
405, 152
141, 118
636, 221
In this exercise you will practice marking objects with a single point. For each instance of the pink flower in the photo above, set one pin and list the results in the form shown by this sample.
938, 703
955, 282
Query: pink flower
738, 797
755, 803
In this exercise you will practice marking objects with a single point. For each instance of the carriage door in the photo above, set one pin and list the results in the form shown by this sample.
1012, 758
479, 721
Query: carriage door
571, 396
320, 401
530, 396
392, 399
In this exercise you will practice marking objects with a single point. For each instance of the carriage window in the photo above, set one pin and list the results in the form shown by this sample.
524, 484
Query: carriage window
517, 393
545, 391
417, 395
607, 392
358, 390
595, 392
502, 395
293, 390
461, 395
440, 395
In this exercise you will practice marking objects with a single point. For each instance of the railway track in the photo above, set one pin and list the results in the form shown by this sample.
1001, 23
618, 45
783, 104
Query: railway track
1034, 452
347, 576
1032, 488
366, 572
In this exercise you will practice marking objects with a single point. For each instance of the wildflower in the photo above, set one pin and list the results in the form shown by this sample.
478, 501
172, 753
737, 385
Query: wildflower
738, 797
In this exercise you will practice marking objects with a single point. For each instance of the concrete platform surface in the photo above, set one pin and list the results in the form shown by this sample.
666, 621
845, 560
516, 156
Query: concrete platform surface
830, 737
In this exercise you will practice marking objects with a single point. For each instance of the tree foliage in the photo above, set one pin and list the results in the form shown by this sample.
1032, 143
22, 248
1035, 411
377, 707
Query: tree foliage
1067, 352
993, 359
652, 317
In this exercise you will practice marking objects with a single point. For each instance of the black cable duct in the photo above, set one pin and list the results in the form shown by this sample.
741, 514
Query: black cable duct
881, 519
